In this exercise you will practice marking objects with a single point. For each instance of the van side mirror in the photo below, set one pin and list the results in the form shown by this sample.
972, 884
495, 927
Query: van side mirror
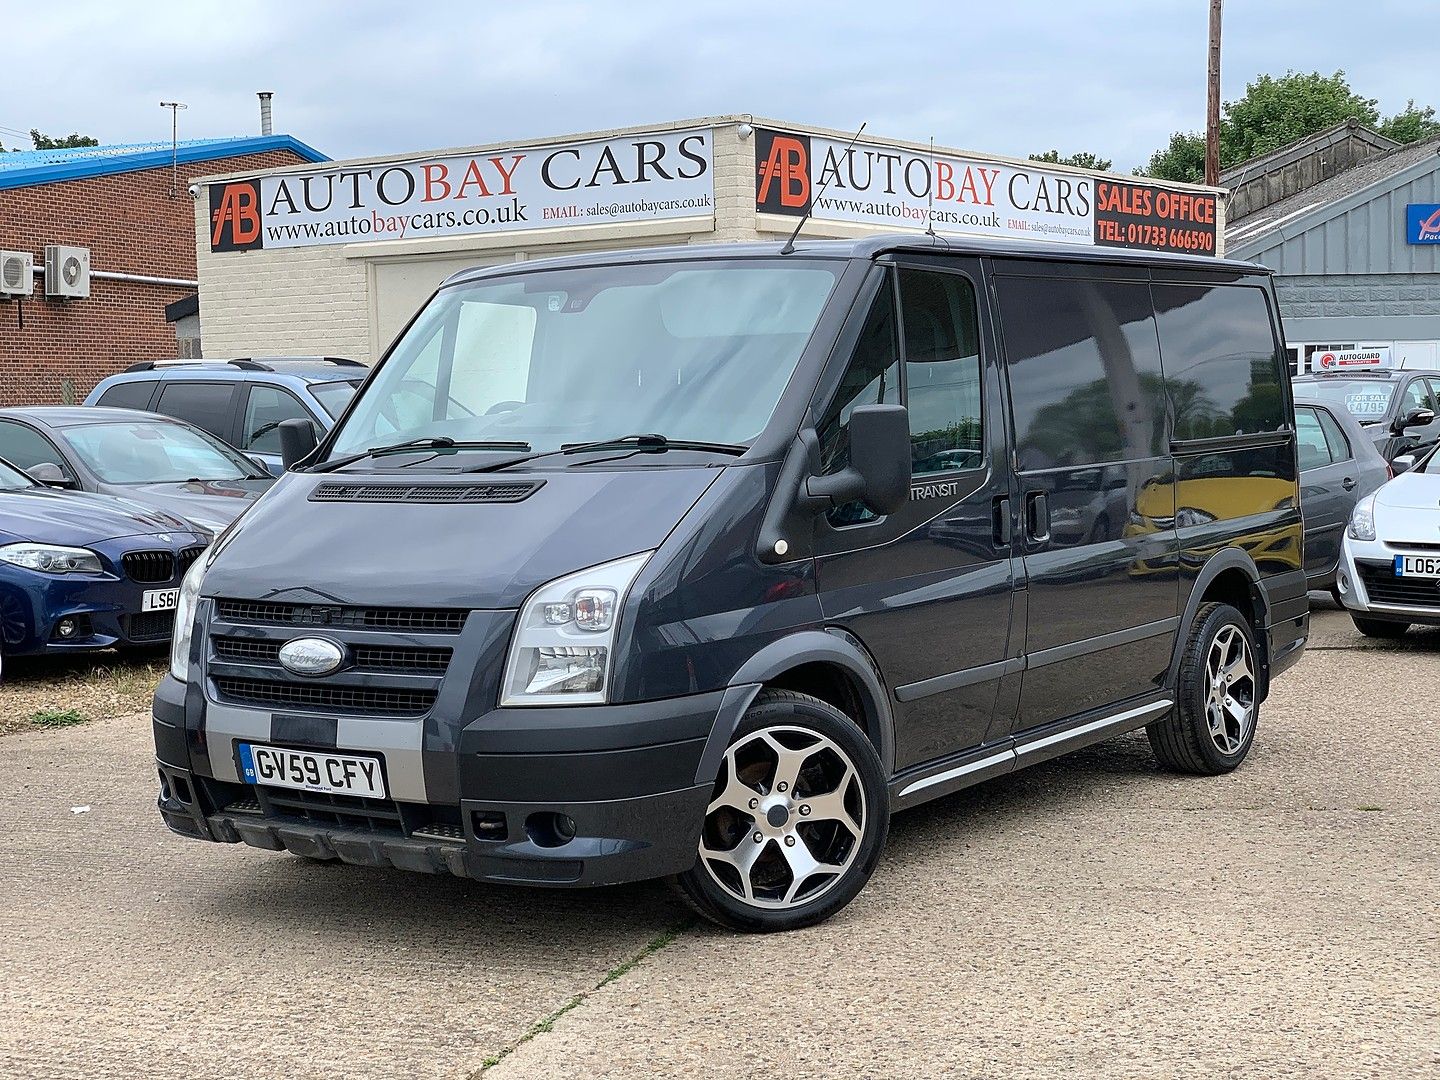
297, 441
49, 474
879, 471
878, 476
1414, 418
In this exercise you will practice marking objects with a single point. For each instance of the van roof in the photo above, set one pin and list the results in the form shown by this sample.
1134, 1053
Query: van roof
871, 247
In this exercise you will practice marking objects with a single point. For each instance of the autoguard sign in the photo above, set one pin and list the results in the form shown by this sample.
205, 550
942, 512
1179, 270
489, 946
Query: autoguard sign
888, 185
639, 178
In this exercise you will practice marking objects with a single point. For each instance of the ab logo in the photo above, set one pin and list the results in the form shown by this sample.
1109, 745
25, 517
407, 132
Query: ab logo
782, 172
235, 216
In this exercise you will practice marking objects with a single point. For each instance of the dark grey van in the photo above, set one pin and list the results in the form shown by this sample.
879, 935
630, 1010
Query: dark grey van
700, 562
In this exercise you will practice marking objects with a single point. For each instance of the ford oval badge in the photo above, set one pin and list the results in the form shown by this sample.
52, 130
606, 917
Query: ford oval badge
311, 656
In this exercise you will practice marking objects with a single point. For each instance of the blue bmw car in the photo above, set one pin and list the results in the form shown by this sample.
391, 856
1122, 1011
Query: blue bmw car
81, 571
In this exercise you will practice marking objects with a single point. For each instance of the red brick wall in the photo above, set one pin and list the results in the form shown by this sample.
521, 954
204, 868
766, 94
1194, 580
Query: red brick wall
130, 224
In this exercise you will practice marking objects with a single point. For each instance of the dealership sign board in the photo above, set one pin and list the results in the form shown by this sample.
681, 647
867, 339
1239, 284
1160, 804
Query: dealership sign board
1331, 360
637, 178
872, 184
1422, 223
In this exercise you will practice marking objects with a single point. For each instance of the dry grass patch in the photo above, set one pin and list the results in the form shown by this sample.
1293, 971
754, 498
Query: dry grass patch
48, 692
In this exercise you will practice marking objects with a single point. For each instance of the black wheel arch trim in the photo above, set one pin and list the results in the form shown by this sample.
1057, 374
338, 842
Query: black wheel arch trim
832, 646
1217, 564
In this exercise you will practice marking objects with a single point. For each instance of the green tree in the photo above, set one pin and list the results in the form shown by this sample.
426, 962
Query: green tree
65, 142
1183, 160
1275, 112
1081, 159
1411, 124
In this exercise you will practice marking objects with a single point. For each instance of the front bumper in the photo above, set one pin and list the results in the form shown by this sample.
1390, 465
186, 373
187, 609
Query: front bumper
105, 609
1368, 587
632, 780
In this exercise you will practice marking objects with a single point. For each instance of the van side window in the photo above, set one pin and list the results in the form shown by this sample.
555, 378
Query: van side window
1084, 368
1310, 445
942, 371
872, 378
1222, 367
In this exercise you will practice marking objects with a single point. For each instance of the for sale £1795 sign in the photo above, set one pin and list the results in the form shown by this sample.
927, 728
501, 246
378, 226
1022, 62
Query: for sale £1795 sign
660, 175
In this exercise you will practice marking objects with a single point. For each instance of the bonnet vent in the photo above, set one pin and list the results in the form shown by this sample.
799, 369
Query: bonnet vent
426, 493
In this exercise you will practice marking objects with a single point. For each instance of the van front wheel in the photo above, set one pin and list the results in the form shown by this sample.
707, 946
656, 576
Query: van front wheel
1211, 727
796, 822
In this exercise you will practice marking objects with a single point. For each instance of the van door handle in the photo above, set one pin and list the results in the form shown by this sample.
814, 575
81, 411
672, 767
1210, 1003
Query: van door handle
1037, 516
1348, 483
1002, 521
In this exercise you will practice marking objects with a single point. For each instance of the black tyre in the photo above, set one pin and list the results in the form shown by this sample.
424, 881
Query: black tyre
1216, 705
1379, 628
797, 820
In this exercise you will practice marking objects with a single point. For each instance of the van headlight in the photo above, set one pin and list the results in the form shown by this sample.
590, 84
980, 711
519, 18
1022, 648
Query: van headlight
185, 619
1362, 520
564, 644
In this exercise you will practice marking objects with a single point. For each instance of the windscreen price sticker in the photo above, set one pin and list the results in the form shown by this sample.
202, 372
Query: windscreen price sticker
1367, 404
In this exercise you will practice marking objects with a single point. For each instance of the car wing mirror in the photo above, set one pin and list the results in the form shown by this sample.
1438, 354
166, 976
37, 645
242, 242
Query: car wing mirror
1402, 463
50, 474
297, 441
1414, 418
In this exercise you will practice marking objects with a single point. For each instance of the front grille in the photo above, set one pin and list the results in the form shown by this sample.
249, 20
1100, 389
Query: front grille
342, 811
398, 660
149, 625
188, 556
1383, 587
415, 620
1412, 545
323, 697
149, 567
510, 492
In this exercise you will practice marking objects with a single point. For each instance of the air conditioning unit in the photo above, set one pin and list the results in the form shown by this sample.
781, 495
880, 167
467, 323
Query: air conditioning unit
17, 273
67, 271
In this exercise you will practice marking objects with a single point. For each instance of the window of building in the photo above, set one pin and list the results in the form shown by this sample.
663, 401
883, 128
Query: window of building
1223, 371
1084, 369
943, 388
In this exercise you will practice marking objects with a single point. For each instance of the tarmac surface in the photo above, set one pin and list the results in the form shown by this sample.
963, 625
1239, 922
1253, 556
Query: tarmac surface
1090, 916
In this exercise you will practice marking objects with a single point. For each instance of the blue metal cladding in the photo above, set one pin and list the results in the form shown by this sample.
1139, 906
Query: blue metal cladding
31, 167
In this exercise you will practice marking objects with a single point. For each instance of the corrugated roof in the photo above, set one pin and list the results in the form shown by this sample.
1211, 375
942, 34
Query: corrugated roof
26, 168
1293, 211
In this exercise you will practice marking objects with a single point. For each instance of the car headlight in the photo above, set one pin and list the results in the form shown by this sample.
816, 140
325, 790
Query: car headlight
1362, 520
52, 559
564, 644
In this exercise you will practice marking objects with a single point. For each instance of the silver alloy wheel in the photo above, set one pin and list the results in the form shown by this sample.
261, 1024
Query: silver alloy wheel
1229, 689
786, 820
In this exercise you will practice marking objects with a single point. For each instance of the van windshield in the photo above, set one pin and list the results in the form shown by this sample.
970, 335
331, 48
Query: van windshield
697, 350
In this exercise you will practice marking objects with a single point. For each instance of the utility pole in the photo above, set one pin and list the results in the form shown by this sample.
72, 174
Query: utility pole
1212, 104
174, 107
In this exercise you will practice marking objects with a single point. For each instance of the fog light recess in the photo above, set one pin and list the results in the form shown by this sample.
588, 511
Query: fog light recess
549, 829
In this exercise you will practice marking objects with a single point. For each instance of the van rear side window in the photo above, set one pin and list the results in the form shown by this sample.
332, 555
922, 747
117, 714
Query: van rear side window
1222, 367
1084, 369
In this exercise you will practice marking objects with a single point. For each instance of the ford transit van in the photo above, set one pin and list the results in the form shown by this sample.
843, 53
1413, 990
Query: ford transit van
699, 563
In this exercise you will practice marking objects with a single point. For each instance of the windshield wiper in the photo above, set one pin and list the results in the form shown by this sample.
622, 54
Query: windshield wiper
651, 443
429, 442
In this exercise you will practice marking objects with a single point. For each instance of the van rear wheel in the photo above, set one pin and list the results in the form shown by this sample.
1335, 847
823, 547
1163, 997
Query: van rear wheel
796, 822
1211, 727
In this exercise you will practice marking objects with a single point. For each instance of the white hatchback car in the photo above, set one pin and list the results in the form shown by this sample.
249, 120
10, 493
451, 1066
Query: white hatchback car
1390, 565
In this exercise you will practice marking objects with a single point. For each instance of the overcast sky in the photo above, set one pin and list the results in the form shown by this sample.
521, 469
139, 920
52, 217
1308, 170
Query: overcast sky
1112, 76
